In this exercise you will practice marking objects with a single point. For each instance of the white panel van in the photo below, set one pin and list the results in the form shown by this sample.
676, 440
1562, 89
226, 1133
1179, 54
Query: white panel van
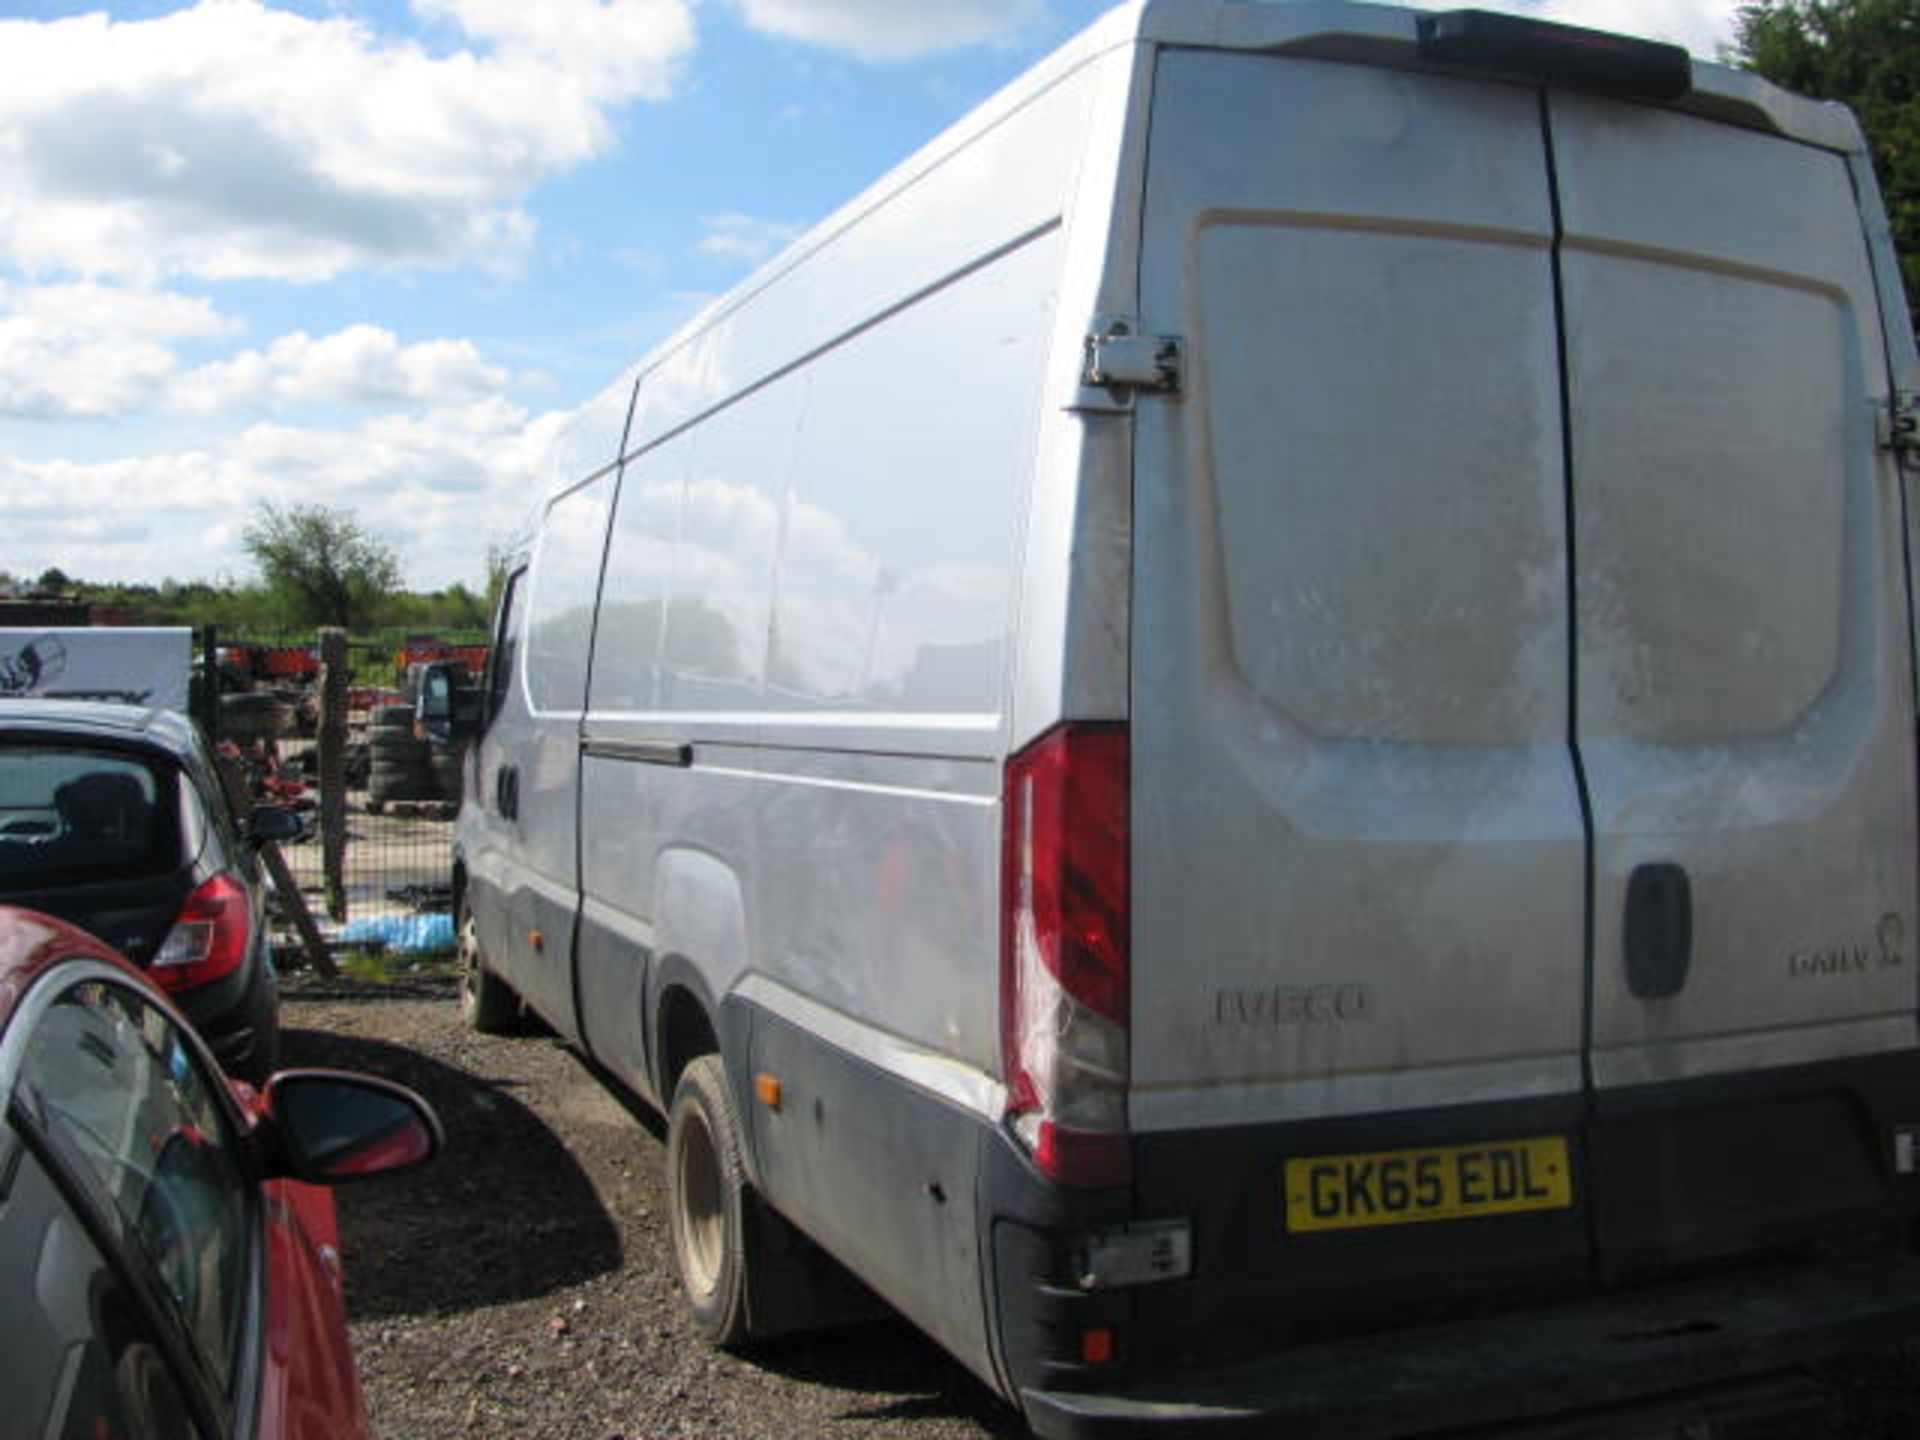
1249, 737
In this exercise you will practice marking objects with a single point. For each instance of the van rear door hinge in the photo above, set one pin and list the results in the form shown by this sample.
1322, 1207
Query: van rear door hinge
1900, 423
1121, 363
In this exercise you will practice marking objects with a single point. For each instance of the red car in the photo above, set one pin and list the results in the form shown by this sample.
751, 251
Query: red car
169, 1263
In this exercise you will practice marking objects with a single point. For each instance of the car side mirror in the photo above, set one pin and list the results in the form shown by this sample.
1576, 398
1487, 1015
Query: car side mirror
335, 1127
273, 823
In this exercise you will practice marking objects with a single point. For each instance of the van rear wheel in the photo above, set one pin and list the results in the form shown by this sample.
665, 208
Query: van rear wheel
486, 1002
707, 1200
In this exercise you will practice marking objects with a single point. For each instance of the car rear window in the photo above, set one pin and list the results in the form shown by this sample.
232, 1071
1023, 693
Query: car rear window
72, 813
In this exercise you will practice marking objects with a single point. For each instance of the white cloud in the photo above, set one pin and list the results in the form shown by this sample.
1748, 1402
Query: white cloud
92, 350
745, 239
96, 352
439, 486
620, 49
231, 140
1703, 26
361, 365
890, 29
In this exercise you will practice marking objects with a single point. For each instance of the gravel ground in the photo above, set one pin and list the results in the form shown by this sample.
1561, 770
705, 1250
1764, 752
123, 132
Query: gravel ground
522, 1286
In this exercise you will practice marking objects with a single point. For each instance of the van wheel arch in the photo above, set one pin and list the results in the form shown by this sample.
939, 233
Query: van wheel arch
684, 1028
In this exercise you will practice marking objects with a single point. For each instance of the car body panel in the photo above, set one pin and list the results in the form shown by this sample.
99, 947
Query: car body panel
298, 1381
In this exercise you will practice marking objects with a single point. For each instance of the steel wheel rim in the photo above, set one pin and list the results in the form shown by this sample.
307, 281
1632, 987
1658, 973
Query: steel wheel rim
469, 948
703, 1220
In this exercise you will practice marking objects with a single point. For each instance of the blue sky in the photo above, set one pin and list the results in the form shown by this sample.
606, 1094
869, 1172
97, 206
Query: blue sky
370, 252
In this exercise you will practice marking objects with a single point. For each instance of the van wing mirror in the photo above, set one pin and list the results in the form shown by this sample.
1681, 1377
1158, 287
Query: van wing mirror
447, 707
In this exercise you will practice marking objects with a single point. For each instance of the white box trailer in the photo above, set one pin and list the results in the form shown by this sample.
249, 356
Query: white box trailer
1264, 703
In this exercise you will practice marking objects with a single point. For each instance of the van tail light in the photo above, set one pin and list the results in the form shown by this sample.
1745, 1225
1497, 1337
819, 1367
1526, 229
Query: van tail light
1065, 986
209, 938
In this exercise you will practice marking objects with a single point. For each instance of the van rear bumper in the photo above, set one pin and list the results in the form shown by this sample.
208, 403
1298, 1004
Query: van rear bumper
1583, 1355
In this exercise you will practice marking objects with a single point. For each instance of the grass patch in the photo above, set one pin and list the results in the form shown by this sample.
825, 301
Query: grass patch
376, 965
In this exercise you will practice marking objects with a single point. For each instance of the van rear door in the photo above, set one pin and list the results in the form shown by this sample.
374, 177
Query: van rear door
1745, 695
1745, 710
1522, 703
1358, 842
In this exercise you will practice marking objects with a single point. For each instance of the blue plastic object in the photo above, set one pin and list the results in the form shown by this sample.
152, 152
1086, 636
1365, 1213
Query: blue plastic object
401, 934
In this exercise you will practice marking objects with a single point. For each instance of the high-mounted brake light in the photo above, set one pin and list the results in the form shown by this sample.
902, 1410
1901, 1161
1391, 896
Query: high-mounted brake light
1065, 984
1556, 54
209, 938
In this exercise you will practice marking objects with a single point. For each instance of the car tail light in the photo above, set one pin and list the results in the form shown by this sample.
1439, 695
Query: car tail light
1065, 990
209, 938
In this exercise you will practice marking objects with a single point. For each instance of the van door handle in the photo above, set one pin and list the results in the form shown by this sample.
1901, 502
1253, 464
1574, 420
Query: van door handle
1657, 933
506, 792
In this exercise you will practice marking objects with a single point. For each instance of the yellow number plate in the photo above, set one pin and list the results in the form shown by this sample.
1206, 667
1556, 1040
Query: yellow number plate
1404, 1187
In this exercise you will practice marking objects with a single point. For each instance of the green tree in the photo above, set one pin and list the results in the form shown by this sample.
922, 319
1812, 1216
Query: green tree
322, 565
499, 563
1867, 54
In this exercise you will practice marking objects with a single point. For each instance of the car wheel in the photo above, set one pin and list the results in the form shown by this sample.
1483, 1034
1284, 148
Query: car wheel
707, 1198
487, 1004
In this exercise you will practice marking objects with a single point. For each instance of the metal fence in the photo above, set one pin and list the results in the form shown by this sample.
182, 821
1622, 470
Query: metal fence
373, 866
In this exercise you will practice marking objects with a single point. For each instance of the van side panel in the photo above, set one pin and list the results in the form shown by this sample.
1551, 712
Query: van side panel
1745, 680
894, 609
800, 688
948, 210
875, 805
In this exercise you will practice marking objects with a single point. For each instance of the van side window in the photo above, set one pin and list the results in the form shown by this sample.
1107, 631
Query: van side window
506, 645
562, 593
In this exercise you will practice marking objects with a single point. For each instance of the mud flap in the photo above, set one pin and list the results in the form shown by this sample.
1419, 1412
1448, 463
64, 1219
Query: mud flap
793, 1285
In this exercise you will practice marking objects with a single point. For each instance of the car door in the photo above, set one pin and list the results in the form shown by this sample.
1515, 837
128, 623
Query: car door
122, 1112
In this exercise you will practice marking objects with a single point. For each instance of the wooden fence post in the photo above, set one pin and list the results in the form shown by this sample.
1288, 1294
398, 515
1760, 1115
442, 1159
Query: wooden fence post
315, 944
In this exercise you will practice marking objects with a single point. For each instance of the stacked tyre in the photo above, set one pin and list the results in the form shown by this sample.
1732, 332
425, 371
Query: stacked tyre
399, 767
253, 716
447, 765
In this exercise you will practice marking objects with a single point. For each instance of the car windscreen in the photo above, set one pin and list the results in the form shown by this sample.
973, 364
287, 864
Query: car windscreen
74, 813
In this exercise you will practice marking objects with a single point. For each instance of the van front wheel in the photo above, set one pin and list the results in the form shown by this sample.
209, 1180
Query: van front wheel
706, 1201
486, 1003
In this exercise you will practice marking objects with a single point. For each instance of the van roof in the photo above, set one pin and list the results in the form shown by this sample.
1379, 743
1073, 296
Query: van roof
1338, 30
1386, 34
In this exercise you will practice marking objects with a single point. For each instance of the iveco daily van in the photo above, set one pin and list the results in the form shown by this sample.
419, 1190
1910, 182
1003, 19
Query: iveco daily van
1249, 736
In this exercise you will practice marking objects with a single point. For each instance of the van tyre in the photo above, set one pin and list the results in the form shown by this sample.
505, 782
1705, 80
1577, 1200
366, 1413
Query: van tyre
487, 1005
707, 1199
